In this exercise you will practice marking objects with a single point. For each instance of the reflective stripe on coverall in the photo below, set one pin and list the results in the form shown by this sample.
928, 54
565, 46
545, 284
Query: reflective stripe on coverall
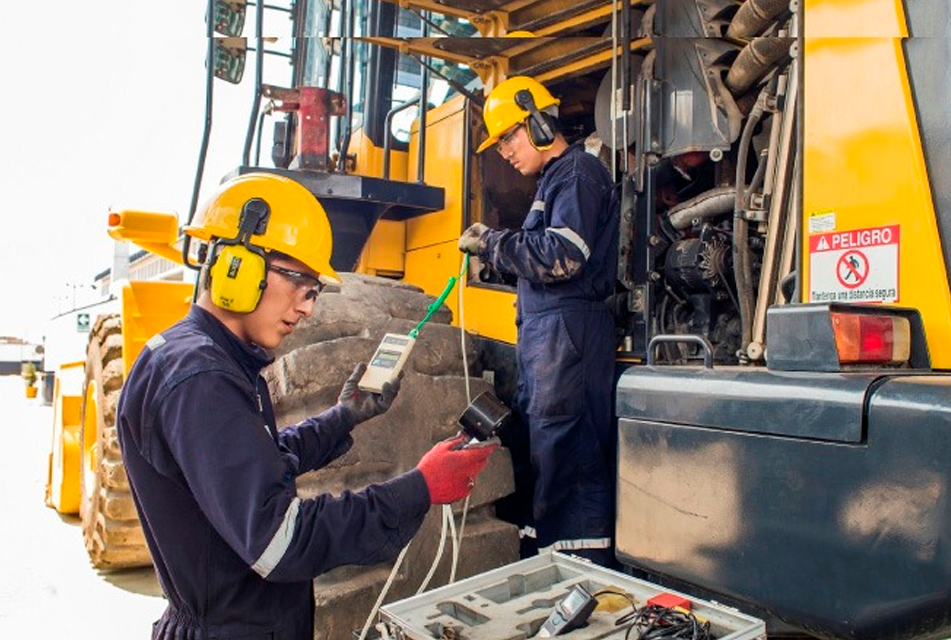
565, 258
214, 483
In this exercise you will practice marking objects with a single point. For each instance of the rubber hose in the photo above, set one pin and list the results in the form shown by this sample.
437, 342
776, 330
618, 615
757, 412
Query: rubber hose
708, 204
754, 16
755, 61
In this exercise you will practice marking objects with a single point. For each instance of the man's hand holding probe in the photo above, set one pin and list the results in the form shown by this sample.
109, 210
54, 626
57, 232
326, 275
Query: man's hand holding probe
450, 470
363, 405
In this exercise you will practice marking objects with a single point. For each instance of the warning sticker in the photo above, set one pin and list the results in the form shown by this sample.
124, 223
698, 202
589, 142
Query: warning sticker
860, 265
821, 221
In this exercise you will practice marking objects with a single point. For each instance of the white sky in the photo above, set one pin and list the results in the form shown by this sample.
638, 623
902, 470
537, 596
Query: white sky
101, 106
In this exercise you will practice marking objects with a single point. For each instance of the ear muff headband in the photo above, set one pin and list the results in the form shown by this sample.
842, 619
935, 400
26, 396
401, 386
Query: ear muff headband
540, 132
238, 269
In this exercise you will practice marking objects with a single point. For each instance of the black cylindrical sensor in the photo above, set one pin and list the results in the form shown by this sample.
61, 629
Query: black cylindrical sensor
484, 416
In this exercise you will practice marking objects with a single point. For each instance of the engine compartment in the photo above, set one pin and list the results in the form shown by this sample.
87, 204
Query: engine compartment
700, 139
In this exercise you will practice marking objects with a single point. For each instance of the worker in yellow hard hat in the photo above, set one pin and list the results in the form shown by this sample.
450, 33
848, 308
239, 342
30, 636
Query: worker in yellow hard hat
565, 260
214, 480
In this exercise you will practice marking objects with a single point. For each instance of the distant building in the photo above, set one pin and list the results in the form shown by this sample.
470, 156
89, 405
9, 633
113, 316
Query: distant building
67, 333
142, 266
14, 352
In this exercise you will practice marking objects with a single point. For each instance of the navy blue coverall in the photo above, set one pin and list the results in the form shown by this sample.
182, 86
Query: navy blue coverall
214, 485
565, 258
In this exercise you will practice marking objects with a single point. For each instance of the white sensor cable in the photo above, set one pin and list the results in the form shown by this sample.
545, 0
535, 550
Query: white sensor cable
386, 587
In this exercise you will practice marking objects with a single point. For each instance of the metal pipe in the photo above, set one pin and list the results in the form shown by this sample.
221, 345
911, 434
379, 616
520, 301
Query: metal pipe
466, 168
258, 80
300, 44
625, 37
349, 63
742, 269
784, 210
645, 106
612, 103
340, 88
257, 147
387, 124
423, 108
206, 133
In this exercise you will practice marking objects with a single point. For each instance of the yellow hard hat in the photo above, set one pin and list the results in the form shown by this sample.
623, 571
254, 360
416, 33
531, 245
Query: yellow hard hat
501, 111
296, 225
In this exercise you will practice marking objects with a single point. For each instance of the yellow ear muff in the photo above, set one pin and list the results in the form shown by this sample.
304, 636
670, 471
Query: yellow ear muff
238, 277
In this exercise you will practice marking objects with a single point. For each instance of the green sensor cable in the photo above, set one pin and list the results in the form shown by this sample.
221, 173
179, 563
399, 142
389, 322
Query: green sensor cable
434, 307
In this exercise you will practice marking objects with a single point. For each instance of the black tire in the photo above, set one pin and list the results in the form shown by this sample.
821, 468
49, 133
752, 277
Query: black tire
311, 367
111, 529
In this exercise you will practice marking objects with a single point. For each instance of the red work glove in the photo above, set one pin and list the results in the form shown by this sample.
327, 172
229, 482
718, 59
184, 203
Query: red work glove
450, 472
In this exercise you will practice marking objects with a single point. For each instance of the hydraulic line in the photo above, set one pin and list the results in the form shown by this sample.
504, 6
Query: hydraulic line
742, 268
760, 174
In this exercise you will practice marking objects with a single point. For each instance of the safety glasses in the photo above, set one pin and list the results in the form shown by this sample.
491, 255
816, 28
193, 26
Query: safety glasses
303, 281
505, 140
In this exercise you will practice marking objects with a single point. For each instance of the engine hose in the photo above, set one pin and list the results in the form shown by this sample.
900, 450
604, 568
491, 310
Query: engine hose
709, 204
742, 268
754, 16
758, 177
755, 60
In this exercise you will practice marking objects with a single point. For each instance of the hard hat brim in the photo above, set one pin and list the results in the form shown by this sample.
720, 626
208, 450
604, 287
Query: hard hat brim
491, 140
329, 276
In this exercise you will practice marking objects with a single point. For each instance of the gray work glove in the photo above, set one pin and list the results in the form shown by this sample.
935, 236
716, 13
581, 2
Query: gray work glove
364, 405
471, 239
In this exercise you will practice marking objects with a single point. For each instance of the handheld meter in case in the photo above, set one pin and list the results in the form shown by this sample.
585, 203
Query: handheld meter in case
570, 613
387, 362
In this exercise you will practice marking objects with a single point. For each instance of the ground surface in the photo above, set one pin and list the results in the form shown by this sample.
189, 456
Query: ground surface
48, 589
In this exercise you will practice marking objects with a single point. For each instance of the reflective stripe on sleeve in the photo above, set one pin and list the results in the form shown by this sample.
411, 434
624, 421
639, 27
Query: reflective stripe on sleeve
582, 543
573, 238
279, 543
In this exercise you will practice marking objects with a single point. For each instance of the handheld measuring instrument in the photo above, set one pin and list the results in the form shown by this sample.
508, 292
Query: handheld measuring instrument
394, 349
387, 362
570, 613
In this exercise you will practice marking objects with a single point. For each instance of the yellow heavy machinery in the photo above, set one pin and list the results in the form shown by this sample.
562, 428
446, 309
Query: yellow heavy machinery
783, 313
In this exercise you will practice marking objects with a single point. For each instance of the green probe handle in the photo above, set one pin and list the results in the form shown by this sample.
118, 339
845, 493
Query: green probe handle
431, 309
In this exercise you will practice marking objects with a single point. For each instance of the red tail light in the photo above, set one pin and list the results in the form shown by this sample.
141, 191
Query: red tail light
871, 339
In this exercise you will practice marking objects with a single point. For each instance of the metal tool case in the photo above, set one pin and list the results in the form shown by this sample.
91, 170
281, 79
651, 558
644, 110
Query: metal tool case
512, 603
